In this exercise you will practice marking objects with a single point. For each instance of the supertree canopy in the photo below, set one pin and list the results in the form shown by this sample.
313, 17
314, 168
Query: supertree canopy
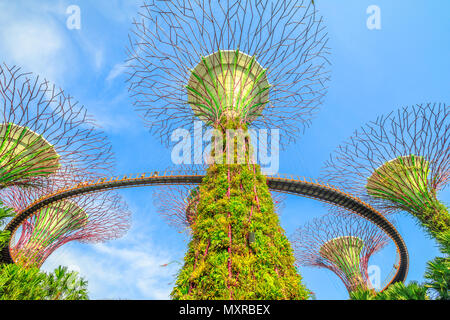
258, 62
177, 204
27, 153
228, 84
86, 218
43, 129
344, 253
342, 244
399, 162
233, 65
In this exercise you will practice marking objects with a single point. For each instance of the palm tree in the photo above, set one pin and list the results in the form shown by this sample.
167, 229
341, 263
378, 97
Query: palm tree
396, 291
362, 294
400, 291
65, 285
438, 270
19, 283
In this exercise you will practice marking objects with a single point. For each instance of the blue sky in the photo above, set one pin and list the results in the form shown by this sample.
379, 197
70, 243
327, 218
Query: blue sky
373, 72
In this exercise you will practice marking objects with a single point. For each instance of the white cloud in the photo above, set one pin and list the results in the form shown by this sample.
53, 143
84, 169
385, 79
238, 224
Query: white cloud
117, 70
93, 50
114, 113
113, 272
33, 42
34, 35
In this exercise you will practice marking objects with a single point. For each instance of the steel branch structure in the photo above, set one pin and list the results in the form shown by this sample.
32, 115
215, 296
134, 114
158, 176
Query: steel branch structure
296, 186
43, 129
177, 204
86, 218
399, 162
342, 244
221, 59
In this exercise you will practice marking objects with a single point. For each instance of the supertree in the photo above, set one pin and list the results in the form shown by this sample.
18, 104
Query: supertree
177, 204
234, 65
258, 62
89, 218
44, 129
342, 243
399, 163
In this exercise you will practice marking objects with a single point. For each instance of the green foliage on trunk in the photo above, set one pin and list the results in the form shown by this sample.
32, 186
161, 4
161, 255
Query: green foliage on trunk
435, 219
238, 249
263, 269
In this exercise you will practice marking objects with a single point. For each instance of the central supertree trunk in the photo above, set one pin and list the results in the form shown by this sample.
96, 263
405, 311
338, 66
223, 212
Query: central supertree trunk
238, 249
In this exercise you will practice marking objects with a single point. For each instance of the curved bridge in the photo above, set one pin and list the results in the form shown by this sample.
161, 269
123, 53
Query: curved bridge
297, 186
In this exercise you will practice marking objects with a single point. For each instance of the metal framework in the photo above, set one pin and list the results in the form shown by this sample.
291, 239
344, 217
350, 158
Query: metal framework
221, 59
342, 244
43, 129
398, 162
296, 186
86, 218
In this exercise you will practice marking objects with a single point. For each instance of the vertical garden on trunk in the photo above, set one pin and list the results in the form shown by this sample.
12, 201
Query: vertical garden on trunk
238, 249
